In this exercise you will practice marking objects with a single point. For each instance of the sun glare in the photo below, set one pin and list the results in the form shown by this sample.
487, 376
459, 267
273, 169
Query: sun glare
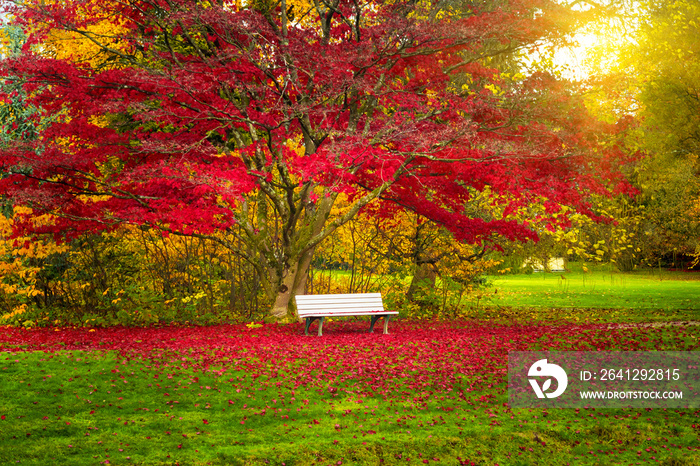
575, 61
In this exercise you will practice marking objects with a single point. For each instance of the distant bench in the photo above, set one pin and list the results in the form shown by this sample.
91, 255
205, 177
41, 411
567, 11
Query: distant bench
312, 307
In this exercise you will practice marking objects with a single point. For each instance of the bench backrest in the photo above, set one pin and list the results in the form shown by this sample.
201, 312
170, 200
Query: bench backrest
323, 305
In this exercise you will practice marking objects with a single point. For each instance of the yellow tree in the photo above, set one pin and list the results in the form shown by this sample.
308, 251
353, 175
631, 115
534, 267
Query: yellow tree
651, 72
22, 260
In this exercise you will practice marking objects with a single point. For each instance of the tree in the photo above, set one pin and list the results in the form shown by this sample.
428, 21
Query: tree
652, 73
670, 70
194, 116
670, 97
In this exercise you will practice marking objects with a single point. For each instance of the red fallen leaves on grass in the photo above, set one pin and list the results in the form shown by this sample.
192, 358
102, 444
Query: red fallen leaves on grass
417, 359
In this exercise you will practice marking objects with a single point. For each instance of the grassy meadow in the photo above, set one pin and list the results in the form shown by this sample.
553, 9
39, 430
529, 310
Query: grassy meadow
599, 295
430, 392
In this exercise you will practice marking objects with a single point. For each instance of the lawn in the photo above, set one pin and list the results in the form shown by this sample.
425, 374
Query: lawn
429, 392
644, 296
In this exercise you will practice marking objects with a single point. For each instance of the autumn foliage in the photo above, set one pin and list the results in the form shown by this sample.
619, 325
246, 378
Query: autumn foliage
241, 124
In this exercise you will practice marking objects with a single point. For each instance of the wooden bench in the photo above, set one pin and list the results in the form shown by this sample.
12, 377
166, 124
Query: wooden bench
312, 307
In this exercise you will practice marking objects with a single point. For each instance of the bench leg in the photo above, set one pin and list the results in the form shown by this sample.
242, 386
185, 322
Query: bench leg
308, 324
374, 320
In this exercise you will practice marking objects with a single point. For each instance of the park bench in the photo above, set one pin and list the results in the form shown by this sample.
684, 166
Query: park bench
312, 307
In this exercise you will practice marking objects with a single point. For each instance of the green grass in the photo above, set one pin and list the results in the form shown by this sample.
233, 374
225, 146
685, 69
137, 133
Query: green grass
84, 414
639, 296
93, 407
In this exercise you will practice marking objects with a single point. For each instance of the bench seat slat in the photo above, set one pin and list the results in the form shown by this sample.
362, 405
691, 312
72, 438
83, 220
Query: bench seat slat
366, 299
340, 313
342, 306
346, 312
321, 307
312, 297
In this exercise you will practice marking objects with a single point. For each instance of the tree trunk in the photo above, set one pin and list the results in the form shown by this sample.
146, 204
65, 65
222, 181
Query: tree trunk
423, 277
293, 283
303, 272
284, 294
296, 273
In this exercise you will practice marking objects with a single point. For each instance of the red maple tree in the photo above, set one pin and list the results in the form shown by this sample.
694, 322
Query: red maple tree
198, 115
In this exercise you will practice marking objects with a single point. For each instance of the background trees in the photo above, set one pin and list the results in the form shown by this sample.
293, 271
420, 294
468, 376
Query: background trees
668, 66
648, 71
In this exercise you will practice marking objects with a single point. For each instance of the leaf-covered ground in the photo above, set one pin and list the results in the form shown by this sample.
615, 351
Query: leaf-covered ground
427, 393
